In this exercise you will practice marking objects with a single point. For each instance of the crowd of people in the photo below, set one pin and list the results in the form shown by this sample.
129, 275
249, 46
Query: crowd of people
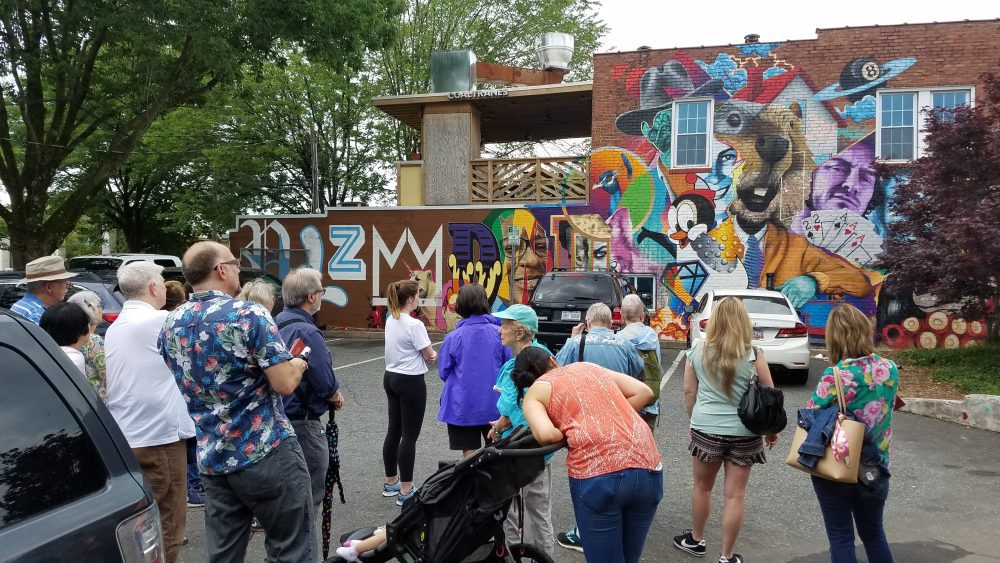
220, 413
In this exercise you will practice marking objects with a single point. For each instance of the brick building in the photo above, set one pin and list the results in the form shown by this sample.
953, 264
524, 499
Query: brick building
728, 166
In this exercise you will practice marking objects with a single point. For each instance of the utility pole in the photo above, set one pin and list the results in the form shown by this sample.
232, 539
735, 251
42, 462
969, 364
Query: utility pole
316, 200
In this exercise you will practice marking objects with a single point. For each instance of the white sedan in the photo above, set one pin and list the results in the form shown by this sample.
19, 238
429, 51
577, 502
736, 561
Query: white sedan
777, 329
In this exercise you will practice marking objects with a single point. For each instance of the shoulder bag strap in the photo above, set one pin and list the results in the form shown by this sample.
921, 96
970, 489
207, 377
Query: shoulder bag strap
840, 390
291, 321
583, 342
753, 365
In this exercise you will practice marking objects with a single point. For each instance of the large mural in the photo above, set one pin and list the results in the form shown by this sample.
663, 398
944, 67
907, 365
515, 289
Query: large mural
784, 194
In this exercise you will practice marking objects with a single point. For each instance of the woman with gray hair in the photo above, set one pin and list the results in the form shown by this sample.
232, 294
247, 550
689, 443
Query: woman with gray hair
93, 350
259, 291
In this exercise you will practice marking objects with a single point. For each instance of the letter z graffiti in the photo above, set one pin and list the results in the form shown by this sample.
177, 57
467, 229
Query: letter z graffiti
344, 264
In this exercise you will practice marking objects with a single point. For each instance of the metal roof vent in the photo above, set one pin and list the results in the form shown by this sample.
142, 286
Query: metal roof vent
555, 50
751, 38
453, 71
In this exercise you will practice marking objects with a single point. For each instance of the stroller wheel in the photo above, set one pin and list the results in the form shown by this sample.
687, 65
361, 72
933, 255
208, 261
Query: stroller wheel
526, 552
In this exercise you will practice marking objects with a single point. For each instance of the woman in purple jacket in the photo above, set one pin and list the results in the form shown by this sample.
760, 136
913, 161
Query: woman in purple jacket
468, 363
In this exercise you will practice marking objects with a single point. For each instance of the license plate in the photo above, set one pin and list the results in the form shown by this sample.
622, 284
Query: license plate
758, 334
570, 315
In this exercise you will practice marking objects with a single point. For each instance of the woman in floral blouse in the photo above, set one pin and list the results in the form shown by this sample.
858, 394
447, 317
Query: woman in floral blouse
93, 350
870, 383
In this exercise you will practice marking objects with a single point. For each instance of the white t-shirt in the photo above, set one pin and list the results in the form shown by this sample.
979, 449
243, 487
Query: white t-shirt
405, 337
76, 357
142, 393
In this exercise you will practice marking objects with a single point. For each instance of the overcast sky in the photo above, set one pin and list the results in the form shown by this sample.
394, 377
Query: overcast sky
663, 24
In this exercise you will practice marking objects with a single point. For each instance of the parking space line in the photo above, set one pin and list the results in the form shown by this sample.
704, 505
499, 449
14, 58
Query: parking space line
672, 369
333, 339
372, 360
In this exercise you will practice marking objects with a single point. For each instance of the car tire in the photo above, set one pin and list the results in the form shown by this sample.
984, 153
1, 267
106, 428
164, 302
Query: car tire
798, 376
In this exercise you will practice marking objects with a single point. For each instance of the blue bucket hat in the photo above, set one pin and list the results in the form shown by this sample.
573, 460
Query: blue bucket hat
522, 314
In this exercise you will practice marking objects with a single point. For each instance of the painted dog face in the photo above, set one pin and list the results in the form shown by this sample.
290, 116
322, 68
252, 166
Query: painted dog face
772, 179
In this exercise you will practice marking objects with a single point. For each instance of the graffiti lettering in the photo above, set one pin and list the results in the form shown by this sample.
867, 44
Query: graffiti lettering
344, 264
380, 249
486, 269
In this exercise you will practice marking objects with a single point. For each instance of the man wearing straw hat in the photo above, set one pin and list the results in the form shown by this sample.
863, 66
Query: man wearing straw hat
47, 281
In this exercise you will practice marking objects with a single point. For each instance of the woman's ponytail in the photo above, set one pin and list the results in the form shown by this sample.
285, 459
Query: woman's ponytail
398, 294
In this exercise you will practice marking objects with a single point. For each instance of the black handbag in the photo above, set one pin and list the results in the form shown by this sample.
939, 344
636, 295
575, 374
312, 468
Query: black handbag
762, 409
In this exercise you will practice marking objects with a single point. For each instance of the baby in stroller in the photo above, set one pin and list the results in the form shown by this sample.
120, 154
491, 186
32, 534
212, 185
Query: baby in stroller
458, 513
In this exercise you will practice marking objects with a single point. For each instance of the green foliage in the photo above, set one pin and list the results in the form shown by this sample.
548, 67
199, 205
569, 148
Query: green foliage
975, 369
89, 78
498, 31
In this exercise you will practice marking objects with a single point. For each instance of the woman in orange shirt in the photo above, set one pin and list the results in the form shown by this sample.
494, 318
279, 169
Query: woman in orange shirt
615, 475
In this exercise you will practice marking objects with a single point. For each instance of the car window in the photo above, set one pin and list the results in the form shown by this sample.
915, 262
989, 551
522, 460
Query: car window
580, 287
48, 461
94, 264
246, 277
11, 293
762, 305
109, 303
164, 262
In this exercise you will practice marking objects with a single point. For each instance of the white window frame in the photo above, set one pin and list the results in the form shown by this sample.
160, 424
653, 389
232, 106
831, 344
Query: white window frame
708, 132
925, 99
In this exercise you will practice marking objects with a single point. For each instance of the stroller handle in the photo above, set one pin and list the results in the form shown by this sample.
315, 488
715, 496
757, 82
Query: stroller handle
529, 452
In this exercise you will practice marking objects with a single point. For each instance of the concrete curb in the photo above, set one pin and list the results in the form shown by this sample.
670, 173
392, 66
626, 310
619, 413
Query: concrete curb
977, 411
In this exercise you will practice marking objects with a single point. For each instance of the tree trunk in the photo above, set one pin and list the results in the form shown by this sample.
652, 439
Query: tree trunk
29, 240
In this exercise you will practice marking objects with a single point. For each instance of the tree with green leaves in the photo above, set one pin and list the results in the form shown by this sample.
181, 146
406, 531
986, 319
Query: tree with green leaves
500, 31
83, 81
298, 105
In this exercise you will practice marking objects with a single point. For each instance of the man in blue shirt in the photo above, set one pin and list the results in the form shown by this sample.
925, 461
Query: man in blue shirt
603, 347
232, 368
302, 291
48, 282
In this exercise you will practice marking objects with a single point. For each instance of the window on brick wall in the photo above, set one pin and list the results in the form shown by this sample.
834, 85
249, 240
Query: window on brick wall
692, 129
898, 135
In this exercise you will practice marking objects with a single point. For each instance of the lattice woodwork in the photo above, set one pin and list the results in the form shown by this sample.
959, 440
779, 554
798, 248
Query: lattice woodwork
532, 180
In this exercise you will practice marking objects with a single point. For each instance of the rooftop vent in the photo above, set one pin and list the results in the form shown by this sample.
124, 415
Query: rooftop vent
555, 50
751, 38
453, 71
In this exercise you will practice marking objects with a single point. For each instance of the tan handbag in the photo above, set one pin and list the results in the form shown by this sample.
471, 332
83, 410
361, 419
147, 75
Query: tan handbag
844, 470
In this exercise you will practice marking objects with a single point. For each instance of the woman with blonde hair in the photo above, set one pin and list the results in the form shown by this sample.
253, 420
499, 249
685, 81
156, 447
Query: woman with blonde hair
258, 291
407, 352
93, 350
870, 383
717, 373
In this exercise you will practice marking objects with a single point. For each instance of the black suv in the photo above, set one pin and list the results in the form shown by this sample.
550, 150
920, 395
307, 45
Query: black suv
561, 300
105, 285
70, 487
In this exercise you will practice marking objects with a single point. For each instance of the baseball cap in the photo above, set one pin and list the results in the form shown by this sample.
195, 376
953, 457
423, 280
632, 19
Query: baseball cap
522, 314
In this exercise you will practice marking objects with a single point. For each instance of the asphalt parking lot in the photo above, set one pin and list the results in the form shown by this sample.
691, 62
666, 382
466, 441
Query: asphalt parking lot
944, 501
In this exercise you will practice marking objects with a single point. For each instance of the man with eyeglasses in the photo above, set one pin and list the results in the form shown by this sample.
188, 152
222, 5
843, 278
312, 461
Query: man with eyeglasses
232, 369
48, 282
302, 291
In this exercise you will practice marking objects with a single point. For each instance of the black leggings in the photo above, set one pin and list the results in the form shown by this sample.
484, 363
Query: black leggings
407, 395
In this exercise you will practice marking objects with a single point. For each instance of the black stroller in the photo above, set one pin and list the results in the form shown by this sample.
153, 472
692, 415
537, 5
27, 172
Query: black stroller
458, 513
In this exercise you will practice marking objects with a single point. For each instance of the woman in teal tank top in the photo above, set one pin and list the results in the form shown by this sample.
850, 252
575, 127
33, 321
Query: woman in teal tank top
716, 374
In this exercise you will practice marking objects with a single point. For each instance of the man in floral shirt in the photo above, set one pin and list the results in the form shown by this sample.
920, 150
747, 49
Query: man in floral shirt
231, 367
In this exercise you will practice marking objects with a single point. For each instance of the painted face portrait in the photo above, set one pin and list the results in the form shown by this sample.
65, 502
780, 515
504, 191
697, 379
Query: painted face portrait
846, 181
531, 259
581, 254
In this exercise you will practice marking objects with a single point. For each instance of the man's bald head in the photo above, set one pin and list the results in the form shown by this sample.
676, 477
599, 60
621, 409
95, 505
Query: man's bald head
200, 260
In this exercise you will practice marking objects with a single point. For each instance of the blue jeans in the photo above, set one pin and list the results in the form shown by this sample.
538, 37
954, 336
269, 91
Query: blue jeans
614, 513
844, 505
